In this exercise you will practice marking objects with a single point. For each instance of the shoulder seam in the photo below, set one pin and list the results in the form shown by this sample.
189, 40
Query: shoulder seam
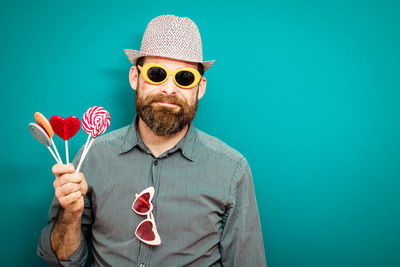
240, 156
112, 137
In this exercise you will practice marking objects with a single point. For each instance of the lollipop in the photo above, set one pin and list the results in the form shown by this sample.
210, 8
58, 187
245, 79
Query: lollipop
42, 137
95, 122
44, 123
65, 128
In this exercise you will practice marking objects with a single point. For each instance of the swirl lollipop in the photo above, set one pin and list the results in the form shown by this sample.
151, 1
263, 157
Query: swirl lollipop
95, 122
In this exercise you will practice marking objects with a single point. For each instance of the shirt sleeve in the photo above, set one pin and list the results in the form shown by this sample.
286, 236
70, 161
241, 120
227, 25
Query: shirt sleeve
44, 249
241, 241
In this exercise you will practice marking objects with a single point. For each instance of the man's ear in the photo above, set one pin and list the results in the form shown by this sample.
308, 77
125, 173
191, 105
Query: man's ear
133, 77
202, 87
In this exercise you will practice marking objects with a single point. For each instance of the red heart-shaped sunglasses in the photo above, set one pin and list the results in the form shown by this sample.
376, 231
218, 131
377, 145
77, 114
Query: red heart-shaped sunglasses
146, 231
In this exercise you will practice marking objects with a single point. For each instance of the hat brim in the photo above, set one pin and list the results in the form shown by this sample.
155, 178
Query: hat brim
133, 55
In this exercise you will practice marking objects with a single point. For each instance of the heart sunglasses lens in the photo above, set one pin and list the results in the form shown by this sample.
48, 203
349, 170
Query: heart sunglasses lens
142, 204
156, 74
145, 231
184, 78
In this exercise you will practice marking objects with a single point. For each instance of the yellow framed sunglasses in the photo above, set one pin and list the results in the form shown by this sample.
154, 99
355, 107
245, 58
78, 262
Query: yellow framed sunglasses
157, 74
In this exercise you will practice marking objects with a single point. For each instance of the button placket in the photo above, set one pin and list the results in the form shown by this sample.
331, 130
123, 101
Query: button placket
145, 250
155, 175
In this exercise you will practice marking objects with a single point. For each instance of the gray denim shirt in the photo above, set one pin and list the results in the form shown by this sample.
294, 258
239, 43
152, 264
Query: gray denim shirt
204, 204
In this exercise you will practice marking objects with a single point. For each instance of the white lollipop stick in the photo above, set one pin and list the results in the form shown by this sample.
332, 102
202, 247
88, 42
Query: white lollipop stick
52, 153
84, 152
87, 142
55, 149
83, 156
66, 151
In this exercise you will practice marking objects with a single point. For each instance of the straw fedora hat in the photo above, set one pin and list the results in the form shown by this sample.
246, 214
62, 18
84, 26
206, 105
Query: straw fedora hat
171, 37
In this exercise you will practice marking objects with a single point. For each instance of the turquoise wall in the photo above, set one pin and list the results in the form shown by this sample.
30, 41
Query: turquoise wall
308, 91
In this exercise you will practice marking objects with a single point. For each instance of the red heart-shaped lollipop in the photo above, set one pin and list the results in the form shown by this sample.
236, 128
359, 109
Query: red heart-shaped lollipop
65, 128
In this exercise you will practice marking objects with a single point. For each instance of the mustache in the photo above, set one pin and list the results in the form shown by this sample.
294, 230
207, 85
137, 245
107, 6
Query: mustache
165, 98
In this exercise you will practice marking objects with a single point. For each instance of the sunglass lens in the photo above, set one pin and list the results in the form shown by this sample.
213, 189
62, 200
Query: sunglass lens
184, 78
156, 74
142, 204
145, 231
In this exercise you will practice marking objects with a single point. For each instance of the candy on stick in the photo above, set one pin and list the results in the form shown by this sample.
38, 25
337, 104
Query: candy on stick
41, 136
44, 123
95, 122
65, 128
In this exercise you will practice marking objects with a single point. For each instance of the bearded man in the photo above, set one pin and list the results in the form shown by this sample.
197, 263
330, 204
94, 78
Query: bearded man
158, 192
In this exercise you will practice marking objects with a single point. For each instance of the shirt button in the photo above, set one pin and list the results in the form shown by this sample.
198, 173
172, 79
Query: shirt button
155, 163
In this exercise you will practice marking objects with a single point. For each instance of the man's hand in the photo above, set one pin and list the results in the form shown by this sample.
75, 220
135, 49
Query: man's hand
70, 188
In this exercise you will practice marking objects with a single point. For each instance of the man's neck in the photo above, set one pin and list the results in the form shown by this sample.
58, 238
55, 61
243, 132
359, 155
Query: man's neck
159, 144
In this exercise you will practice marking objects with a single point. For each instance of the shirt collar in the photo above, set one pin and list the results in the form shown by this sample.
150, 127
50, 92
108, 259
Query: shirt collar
185, 145
131, 139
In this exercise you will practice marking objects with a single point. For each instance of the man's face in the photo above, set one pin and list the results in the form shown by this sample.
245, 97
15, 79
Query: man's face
166, 108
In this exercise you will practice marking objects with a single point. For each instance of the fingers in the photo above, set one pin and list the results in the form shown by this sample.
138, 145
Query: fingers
69, 183
84, 186
59, 169
70, 187
70, 199
67, 189
68, 178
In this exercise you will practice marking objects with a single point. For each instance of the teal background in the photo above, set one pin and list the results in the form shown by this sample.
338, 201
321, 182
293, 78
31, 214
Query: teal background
307, 91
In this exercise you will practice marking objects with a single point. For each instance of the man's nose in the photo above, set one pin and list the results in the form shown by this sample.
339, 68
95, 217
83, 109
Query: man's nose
169, 86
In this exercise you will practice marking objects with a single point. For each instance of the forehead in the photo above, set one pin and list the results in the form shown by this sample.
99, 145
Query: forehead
170, 63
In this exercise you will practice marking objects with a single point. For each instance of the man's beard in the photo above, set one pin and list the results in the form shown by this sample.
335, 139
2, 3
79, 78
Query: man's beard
162, 120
